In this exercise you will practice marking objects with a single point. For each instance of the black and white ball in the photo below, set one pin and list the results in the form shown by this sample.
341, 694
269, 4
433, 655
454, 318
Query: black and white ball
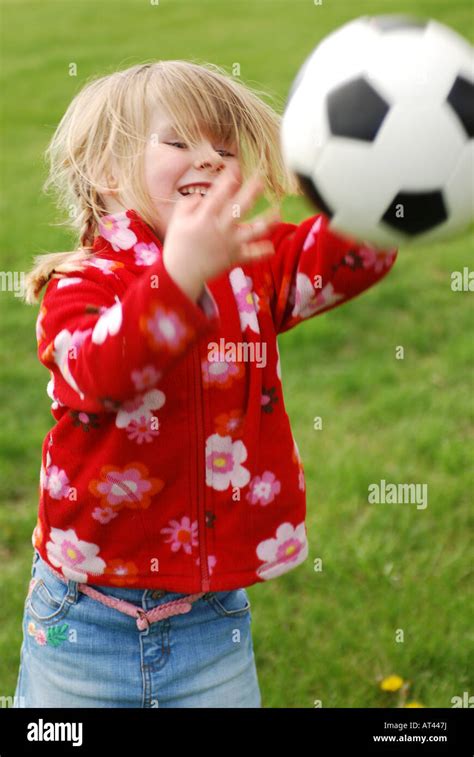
379, 129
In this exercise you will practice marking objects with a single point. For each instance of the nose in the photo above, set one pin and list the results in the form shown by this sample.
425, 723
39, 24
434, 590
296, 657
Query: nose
208, 158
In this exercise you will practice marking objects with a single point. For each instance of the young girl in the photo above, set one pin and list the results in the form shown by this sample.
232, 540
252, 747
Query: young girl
171, 479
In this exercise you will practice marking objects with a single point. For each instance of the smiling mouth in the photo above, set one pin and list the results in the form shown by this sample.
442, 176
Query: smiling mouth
193, 189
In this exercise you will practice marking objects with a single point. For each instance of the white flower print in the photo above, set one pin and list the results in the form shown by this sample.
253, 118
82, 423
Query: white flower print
286, 551
223, 463
106, 266
211, 563
43, 476
50, 392
309, 300
278, 363
146, 254
65, 342
108, 324
141, 405
66, 282
76, 558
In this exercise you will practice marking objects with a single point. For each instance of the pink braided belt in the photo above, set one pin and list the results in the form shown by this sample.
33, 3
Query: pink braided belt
143, 618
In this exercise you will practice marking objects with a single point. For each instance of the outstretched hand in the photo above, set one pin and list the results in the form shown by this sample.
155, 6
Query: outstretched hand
205, 238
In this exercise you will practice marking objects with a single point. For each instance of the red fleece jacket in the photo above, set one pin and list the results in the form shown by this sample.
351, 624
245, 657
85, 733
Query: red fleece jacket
172, 464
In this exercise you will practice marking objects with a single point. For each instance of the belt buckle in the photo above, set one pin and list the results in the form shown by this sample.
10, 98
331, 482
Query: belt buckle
141, 618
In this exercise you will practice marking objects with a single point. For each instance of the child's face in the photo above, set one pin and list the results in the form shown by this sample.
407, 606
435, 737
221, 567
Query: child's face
171, 164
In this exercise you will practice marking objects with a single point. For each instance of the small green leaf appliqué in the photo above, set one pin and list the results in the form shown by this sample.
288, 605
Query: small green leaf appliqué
57, 634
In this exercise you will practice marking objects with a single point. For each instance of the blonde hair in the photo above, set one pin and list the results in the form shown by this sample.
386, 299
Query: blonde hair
105, 130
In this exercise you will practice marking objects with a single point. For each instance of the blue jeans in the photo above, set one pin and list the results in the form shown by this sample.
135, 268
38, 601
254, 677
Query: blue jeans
76, 652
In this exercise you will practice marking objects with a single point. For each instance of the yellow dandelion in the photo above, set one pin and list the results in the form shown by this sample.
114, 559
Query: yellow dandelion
391, 683
414, 704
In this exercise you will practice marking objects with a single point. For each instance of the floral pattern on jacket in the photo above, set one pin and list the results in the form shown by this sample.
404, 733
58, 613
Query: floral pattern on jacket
167, 468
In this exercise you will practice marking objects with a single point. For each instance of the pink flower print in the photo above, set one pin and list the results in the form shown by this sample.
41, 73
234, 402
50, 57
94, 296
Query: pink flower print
301, 483
211, 563
130, 487
247, 300
311, 238
165, 328
104, 514
181, 534
221, 373
115, 229
140, 431
223, 463
40, 637
263, 489
229, 423
375, 258
146, 254
286, 551
56, 482
268, 399
84, 420
146, 378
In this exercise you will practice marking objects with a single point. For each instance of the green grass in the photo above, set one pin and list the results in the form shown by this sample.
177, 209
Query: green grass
324, 635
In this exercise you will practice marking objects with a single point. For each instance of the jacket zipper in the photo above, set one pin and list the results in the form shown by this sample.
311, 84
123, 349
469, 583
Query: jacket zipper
200, 465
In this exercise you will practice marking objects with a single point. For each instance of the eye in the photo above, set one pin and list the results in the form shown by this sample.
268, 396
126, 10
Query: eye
176, 144
226, 153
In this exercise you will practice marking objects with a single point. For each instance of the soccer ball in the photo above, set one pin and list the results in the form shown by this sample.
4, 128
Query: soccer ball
379, 128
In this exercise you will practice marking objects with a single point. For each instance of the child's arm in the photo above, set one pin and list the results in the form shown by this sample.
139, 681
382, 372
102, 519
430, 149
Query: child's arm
314, 270
103, 350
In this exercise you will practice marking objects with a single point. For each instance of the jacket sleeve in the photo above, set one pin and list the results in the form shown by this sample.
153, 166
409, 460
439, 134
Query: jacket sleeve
314, 270
102, 350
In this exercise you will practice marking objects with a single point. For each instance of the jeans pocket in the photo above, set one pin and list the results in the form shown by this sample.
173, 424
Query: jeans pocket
49, 599
230, 604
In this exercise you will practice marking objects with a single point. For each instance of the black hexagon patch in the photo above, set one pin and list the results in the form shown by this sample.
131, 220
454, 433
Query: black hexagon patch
356, 110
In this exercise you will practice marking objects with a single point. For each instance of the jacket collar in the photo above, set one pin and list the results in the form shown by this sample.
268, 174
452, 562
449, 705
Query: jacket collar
126, 238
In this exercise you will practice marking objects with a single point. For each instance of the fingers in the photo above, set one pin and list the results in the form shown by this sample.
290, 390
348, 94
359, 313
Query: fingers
248, 194
223, 197
220, 193
259, 227
256, 250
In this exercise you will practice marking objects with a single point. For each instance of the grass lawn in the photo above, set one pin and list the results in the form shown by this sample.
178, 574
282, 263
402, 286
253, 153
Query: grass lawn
328, 634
